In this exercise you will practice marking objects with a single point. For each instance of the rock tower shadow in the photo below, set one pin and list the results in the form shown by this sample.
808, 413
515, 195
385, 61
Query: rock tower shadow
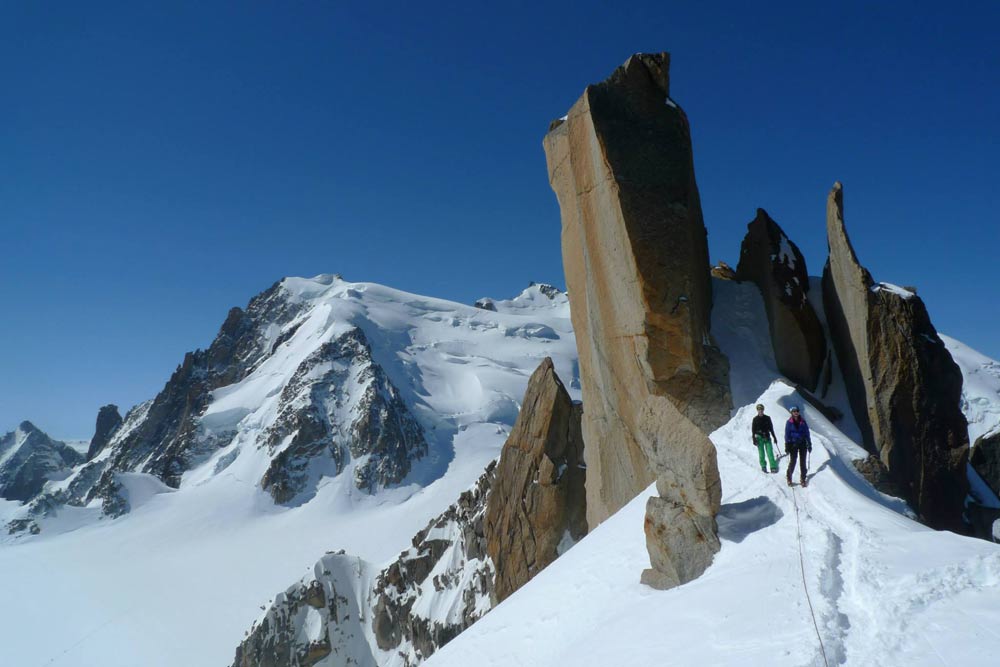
738, 520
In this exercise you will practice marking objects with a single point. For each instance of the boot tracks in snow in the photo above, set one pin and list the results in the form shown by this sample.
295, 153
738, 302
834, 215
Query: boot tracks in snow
802, 570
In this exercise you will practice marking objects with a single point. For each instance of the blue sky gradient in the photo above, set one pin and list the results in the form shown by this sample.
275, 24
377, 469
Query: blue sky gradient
162, 162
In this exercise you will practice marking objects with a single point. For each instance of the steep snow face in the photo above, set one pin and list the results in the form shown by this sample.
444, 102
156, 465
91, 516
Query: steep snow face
980, 388
203, 532
832, 574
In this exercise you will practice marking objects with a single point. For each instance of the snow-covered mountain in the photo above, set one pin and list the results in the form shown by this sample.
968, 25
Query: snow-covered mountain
29, 458
327, 414
837, 573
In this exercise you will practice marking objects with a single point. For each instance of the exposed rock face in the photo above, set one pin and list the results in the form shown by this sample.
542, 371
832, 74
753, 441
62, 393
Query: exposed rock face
985, 458
770, 260
635, 255
108, 421
404, 612
904, 387
29, 458
538, 502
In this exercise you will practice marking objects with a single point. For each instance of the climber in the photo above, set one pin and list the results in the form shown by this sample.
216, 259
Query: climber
761, 434
797, 442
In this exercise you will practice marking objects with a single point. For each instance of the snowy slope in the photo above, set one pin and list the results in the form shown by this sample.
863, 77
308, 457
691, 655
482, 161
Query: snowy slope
180, 577
980, 388
833, 574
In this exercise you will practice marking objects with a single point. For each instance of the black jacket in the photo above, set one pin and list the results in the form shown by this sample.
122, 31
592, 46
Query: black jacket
762, 426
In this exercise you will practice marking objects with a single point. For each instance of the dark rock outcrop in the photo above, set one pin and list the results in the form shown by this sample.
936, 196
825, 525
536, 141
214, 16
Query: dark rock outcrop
771, 261
485, 303
538, 502
985, 458
635, 254
29, 458
904, 387
108, 421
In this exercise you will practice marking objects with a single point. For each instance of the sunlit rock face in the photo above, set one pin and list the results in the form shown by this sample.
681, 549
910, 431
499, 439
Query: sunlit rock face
538, 505
635, 255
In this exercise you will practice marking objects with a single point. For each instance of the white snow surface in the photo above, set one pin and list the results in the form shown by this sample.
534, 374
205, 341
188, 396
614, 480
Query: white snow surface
180, 578
883, 589
895, 289
980, 387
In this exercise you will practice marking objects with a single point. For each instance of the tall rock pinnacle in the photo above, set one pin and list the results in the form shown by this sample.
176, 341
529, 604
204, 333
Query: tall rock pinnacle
905, 389
537, 501
108, 421
635, 254
769, 259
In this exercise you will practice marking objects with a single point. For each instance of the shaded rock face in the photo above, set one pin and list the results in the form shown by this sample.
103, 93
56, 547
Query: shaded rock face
904, 387
538, 503
340, 405
396, 616
771, 261
985, 458
108, 421
29, 458
635, 255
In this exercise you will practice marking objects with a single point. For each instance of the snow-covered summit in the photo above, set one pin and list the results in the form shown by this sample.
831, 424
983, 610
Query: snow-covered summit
29, 458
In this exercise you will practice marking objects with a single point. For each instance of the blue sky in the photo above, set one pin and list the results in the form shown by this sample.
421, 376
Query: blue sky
162, 162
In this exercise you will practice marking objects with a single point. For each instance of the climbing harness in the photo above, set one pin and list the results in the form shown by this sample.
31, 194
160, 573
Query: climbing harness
802, 569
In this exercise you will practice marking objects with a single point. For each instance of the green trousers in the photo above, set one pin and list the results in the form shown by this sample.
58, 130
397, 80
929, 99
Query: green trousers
764, 446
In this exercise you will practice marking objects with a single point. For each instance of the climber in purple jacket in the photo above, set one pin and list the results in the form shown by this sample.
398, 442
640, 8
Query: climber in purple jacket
797, 442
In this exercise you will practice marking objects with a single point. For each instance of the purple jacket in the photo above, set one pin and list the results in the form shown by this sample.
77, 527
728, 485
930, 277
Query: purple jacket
797, 433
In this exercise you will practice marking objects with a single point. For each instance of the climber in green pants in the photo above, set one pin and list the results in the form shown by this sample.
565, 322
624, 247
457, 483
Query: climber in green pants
762, 434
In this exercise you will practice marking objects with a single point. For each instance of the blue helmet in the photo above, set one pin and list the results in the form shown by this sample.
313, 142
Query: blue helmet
794, 408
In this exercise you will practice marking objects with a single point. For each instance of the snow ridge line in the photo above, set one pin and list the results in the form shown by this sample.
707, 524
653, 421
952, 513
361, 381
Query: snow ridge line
805, 587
